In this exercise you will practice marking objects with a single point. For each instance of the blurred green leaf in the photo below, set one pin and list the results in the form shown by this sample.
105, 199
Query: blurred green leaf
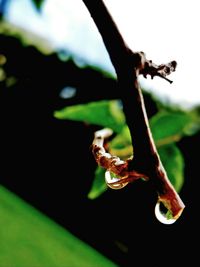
98, 186
28, 238
122, 139
104, 113
173, 163
171, 156
38, 3
168, 127
121, 144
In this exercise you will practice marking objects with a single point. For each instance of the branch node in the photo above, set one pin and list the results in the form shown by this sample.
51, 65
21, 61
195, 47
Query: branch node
138, 60
161, 71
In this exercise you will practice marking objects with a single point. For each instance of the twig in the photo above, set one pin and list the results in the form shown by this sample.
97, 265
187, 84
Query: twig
128, 65
112, 163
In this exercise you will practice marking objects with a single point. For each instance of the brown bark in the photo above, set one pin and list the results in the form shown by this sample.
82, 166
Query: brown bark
128, 65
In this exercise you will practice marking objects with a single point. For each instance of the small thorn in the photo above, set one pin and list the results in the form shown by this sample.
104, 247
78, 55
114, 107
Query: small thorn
162, 76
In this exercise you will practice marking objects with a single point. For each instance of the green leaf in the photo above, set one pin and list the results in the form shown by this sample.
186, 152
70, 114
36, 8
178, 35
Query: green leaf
99, 185
28, 238
168, 127
104, 113
122, 139
173, 163
38, 3
121, 144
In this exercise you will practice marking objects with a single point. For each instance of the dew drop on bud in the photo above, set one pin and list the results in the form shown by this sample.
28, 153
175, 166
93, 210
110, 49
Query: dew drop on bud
111, 181
161, 216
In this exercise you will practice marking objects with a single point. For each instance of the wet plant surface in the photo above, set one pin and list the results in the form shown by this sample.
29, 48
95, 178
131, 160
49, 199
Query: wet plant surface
48, 163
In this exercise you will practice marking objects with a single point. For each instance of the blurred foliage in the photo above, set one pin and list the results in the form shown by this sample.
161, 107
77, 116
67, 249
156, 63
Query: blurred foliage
26, 38
104, 113
168, 126
173, 162
29, 238
98, 186
38, 3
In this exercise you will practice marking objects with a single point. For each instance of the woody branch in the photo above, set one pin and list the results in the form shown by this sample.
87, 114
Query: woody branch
128, 66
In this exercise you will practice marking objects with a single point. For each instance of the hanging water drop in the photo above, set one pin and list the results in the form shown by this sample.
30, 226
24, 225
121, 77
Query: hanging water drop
111, 181
161, 216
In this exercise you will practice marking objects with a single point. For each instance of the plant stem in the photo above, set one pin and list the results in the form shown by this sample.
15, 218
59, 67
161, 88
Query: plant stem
146, 159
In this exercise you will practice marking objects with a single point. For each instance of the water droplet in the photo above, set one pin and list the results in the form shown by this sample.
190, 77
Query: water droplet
111, 181
161, 216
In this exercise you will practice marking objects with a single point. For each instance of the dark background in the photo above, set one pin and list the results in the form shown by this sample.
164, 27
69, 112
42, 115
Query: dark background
49, 164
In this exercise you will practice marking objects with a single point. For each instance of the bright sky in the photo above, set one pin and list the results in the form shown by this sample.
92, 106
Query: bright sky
164, 30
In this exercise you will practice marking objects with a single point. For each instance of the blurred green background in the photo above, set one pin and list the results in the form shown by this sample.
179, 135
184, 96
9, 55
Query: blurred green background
55, 209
